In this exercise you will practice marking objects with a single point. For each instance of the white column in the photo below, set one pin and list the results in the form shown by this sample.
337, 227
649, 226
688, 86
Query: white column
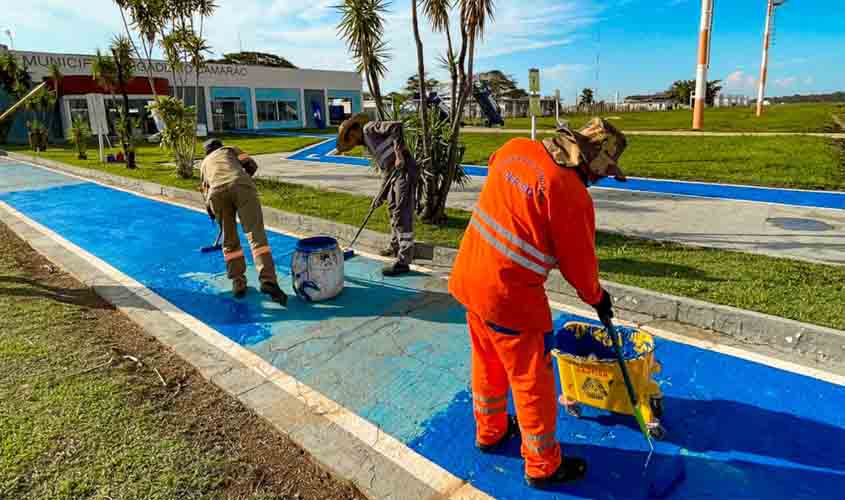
761, 91
326, 120
254, 108
703, 63
209, 109
302, 117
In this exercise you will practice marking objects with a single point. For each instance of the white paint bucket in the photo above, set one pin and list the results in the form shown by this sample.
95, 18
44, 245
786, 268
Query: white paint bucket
317, 269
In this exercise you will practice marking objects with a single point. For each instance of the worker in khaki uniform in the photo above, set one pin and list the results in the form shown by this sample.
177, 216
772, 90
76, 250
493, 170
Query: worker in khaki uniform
386, 144
230, 193
534, 214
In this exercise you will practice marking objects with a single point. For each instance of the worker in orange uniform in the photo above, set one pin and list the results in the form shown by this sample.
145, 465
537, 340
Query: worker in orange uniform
534, 214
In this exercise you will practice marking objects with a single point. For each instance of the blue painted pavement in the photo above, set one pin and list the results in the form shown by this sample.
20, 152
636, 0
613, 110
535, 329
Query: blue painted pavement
321, 153
396, 352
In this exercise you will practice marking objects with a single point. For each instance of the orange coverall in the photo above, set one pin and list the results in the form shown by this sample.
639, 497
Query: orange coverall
532, 216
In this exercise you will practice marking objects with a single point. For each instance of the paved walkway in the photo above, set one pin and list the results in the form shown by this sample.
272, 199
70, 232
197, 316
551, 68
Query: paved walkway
395, 353
692, 213
690, 133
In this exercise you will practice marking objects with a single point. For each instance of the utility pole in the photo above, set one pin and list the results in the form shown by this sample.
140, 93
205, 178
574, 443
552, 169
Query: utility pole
764, 66
703, 63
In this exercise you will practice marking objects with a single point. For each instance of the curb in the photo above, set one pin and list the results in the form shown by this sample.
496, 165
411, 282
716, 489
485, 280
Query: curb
817, 344
340, 442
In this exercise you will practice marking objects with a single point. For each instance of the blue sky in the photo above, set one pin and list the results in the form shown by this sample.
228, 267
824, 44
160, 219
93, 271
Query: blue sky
642, 45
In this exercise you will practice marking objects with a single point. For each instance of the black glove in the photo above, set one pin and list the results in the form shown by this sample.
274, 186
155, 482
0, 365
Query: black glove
605, 307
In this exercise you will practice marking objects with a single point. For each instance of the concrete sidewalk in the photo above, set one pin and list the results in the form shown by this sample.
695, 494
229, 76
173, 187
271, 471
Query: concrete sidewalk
812, 234
374, 383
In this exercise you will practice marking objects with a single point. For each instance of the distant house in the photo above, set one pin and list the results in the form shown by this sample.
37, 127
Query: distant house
728, 101
651, 102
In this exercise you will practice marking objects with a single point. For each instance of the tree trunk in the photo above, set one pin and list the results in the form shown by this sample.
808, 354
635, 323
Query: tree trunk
423, 104
126, 136
375, 89
437, 213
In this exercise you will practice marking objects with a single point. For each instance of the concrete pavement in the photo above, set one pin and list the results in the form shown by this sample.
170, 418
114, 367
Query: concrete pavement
805, 233
374, 384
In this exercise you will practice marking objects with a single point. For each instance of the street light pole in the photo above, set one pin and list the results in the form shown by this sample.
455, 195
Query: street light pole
703, 63
764, 66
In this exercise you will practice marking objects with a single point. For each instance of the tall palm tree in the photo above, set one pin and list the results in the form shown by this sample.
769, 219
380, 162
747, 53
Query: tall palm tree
437, 12
362, 27
423, 103
54, 74
121, 50
474, 17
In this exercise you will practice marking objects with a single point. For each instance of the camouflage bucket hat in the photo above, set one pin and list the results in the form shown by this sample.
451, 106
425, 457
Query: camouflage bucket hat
594, 149
343, 142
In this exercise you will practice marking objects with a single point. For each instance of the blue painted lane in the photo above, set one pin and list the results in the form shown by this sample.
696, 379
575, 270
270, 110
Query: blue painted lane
321, 153
396, 352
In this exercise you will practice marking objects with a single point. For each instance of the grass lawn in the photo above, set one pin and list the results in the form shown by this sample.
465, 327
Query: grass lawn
791, 289
778, 118
793, 162
79, 419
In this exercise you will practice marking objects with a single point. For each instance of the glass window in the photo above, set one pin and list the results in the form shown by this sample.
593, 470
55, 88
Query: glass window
288, 111
78, 109
267, 111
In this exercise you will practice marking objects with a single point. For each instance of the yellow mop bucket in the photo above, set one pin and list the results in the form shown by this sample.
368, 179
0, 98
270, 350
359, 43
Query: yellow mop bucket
590, 373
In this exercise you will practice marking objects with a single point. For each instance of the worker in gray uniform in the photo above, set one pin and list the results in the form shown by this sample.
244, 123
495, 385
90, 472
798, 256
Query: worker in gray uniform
230, 193
386, 144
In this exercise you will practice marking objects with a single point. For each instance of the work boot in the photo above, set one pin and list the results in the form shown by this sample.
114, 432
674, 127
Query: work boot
512, 430
239, 288
570, 469
275, 293
390, 251
396, 269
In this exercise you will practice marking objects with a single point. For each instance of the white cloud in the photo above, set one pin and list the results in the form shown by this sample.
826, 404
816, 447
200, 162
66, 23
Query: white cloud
305, 31
739, 81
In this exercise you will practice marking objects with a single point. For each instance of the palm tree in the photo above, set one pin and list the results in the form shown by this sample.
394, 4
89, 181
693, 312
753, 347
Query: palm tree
437, 12
587, 97
121, 50
362, 27
475, 15
423, 104
55, 76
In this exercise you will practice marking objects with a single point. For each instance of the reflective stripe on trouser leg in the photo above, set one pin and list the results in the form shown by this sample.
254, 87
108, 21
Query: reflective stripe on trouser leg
252, 220
223, 205
489, 385
532, 383
402, 214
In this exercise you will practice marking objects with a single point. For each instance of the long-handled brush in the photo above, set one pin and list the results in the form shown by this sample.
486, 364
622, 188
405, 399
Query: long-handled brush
216, 246
662, 478
377, 201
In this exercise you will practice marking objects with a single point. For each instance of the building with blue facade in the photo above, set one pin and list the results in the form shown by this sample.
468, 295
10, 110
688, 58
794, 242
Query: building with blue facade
229, 97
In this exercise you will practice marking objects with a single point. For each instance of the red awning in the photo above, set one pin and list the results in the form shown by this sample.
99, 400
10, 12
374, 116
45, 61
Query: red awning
83, 84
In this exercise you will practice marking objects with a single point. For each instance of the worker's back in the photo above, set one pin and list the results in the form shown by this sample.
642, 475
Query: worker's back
532, 216
222, 168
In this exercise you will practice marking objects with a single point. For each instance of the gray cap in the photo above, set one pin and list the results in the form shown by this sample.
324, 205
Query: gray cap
212, 145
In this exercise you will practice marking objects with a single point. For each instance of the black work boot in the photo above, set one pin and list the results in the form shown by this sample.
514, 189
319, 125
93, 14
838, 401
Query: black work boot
570, 469
512, 430
275, 293
239, 289
396, 269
